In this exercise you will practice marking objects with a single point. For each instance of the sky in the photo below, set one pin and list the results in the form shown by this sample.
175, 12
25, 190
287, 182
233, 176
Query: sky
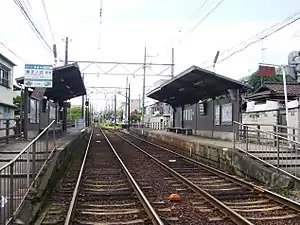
128, 26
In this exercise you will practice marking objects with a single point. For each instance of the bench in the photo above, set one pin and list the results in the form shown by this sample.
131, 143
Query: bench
180, 130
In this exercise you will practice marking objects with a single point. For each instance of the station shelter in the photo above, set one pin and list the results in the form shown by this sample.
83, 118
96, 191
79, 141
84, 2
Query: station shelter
203, 101
38, 114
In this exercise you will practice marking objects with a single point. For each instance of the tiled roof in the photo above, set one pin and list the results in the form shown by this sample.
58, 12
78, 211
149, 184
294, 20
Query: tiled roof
292, 89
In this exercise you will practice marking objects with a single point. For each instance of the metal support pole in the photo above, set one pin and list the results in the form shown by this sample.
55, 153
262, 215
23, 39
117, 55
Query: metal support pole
11, 190
115, 109
47, 140
26, 112
7, 131
21, 112
144, 84
66, 51
172, 66
82, 103
128, 108
285, 98
33, 160
126, 99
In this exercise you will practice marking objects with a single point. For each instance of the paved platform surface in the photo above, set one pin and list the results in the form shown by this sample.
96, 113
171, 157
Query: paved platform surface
207, 141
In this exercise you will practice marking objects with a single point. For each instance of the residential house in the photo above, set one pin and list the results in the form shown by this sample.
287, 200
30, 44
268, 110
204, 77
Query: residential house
6, 91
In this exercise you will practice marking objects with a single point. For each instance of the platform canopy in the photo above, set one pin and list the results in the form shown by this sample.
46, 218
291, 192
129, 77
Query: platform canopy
67, 83
192, 85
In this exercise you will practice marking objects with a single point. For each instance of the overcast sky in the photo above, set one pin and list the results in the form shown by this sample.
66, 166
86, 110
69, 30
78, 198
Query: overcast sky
128, 25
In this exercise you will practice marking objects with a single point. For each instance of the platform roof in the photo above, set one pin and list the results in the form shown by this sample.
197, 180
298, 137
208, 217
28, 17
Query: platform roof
192, 85
67, 83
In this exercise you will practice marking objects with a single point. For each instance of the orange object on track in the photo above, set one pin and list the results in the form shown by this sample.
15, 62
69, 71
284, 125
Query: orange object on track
174, 197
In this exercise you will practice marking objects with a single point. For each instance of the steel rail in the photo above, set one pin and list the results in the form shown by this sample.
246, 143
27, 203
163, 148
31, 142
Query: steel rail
235, 217
148, 207
75, 192
269, 194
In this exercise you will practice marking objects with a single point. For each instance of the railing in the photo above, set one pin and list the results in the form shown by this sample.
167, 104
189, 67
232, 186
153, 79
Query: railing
292, 133
18, 175
10, 129
272, 149
152, 125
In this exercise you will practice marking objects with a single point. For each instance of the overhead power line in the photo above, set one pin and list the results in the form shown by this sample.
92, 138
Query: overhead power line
198, 9
255, 41
202, 20
48, 20
31, 23
11, 51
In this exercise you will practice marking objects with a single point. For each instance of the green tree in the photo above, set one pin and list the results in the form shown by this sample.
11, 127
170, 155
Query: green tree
17, 101
120, 114
255, 80
75, 113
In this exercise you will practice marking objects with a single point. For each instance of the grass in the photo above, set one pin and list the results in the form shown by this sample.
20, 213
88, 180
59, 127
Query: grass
110, 127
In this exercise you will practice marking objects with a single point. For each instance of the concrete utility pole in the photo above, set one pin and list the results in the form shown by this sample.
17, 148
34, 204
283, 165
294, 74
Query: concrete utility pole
128, 114
172, 66
144, 84
126, 99
66, 51
82, 101
115, 111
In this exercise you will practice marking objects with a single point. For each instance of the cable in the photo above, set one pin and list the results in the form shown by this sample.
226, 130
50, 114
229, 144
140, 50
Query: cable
207, 15
254, 42
202, 20
11, 51
262, 32
191, 17
47, 17
31, 23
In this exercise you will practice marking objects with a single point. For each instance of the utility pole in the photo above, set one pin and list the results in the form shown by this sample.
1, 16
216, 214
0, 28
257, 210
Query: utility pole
55, 54
82, 101
144, 84
128, 108
115, 111
172, 66
126, 99
66, 51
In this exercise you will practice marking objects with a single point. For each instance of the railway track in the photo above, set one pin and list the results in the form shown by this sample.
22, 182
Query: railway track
158, 185
105, 192
240, 201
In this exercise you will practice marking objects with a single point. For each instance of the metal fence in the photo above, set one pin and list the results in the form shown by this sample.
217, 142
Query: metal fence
18, 175
152, 125
275, 149
10, 129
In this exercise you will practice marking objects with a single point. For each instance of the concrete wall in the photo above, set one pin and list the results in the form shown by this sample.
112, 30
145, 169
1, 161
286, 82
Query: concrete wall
53, 172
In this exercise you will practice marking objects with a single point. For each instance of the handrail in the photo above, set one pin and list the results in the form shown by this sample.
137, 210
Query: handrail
262, 160
270, 125
267, 132
28, 146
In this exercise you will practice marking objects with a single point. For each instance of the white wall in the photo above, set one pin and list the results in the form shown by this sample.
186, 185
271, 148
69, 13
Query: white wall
7, 94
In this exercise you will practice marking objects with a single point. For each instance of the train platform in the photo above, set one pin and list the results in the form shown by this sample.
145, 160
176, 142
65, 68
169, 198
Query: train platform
20, 167
221, 154
9, 151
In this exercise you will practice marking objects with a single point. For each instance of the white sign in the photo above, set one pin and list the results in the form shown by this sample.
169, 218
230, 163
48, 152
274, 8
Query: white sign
226, 114
3, 201
80, 123
38, 76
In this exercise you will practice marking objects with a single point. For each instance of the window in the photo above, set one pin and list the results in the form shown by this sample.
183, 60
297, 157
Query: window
4, 77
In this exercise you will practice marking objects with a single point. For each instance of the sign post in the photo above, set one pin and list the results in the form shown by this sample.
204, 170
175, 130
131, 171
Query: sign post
268, 69
38, 76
